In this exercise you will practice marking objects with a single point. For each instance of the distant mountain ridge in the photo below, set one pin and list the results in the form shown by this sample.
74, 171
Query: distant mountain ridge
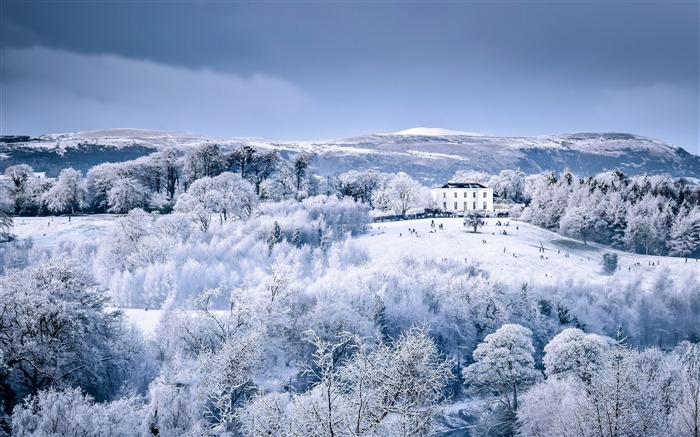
429, 154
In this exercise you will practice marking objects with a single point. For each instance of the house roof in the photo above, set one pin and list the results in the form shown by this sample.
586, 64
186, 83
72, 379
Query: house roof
462, 185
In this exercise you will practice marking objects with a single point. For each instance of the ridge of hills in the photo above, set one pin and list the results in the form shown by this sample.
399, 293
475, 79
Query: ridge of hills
431, 155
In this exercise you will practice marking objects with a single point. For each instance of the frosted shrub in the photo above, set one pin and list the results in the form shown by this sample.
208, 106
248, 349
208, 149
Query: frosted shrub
70, 412
609, 263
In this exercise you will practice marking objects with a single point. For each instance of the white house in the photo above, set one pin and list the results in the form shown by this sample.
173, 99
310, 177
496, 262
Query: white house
463, 197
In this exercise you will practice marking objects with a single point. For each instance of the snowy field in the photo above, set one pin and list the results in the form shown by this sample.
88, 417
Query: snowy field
515, 257
47, 232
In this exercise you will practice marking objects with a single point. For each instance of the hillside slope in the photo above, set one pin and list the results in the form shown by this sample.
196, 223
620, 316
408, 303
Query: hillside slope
453, 243
429, 154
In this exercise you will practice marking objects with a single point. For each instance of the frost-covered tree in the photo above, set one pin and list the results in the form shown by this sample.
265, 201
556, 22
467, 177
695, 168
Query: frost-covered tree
610, 212
261, 166
280, 185
99, 180
645, 225
609, 263
618, 400
126, 194
56, 331
686, 416
547, 200
392, 390
195, 203
628, 393
175, 406
684, 236
72, 413
396, 389
231, 196
400, 193
274, 236
508, 184
6, 220
296, 238
300, 165
227, 194
67, 194
126, 236
474, 220
552, 409
360, 185
228, 374
504, 365
241, 158
573, 352
577, 222
164, 169
22, 188
206, 160
471, 176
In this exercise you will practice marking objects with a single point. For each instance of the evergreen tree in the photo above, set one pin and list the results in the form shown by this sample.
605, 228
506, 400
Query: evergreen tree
275, 236
296, 238
684, 236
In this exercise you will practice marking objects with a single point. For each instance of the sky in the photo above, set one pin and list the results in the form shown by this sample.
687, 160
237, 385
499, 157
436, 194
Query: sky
310, 70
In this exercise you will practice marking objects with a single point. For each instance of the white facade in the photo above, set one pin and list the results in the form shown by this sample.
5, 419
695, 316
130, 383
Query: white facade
505, 205
463, 197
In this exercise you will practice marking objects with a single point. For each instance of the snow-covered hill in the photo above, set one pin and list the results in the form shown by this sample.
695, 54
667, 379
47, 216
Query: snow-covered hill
430, 154
514, 258
521, 260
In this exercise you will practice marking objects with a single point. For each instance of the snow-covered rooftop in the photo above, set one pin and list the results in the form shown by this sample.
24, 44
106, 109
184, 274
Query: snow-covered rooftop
471, 184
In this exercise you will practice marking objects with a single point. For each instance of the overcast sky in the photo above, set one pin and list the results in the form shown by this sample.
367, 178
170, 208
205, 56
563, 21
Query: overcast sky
317, 70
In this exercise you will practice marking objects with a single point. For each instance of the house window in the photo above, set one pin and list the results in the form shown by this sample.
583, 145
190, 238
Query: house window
484, 194
444, 194
484, 205
455, 195
444, 205
465, 194
455, 206
474, 205
474, 194
465, 206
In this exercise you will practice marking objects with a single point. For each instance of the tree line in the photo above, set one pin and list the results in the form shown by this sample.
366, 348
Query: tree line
224, 184
653, 215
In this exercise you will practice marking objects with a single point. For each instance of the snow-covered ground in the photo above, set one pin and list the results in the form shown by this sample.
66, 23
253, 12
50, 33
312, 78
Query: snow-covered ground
145, 320
47, 232
516, 256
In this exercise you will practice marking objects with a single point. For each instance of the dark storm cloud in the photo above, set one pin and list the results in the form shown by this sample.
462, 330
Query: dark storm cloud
69, 91
603, 37
502, 67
